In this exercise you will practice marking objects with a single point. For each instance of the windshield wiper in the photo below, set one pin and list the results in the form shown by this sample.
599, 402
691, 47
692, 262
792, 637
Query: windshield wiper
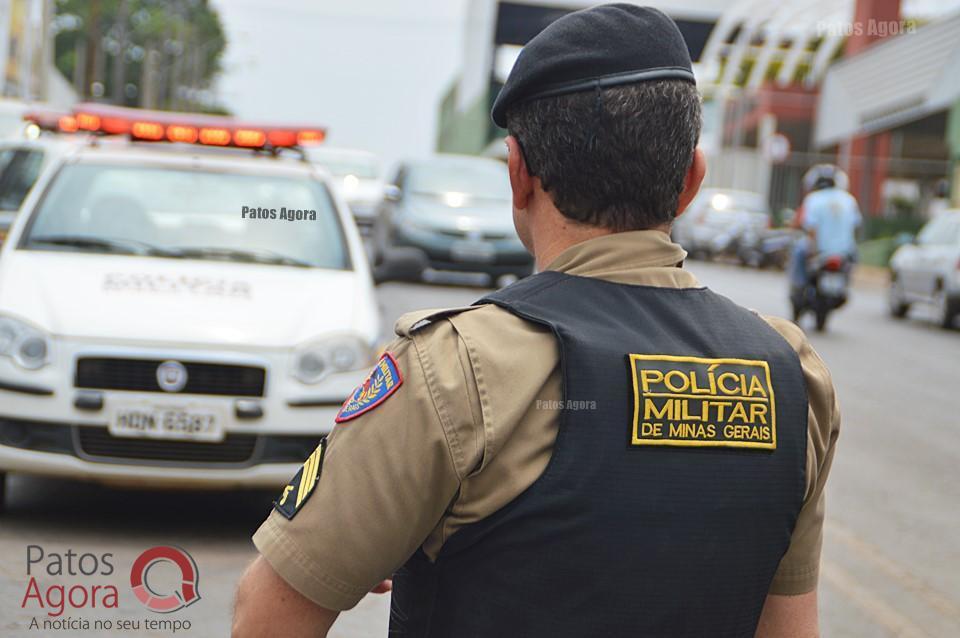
262, 256
104, 244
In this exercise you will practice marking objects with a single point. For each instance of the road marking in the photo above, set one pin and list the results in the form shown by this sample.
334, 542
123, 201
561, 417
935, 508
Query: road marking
875, 608
874, 555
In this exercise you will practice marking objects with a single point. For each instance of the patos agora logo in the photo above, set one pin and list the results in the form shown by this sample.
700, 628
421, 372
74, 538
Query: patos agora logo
163, 593
165, 602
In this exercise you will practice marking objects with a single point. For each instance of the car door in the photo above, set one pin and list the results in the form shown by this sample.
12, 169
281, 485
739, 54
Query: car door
941, 256
933, 241
917, 272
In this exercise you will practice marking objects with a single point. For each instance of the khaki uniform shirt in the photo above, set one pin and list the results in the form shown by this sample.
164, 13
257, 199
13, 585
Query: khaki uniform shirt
473, 425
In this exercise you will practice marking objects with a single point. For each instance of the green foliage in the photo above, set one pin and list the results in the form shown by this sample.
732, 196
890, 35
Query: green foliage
887, 227
186, 36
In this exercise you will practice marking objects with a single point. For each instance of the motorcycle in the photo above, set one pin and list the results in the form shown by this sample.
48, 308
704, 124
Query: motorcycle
826, 289
766, 247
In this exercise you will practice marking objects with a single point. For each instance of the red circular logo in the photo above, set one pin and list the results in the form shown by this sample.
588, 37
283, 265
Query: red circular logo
165, 603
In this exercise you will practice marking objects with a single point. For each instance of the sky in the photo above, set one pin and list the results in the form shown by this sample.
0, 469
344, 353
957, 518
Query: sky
372, 71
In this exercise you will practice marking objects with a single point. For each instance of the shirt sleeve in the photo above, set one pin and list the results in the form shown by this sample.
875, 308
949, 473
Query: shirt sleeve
799, 569
810, 214
386, 480
857, 214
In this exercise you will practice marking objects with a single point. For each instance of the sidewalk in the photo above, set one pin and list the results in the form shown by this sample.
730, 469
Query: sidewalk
874, 277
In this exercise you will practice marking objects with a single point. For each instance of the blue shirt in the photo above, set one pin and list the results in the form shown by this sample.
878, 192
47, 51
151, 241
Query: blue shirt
834, 215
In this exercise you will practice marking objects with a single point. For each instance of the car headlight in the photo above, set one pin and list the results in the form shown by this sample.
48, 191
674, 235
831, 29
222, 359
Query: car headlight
314, 361
28, 347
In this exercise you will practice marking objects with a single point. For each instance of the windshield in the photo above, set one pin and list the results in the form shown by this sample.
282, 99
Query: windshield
189, 214
478, 178
341, 166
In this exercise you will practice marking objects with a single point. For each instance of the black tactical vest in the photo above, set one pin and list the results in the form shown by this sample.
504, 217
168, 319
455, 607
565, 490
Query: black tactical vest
672, 492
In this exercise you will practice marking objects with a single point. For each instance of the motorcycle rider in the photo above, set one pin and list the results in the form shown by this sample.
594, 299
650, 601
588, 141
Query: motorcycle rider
831, 218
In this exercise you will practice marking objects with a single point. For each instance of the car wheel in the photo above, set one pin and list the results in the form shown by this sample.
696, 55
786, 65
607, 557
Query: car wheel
898, 307
945, 308
3, 492
380, 241
822, 314
797, 313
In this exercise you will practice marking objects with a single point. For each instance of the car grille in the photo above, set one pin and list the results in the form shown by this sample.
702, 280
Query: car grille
98, 443
141, 375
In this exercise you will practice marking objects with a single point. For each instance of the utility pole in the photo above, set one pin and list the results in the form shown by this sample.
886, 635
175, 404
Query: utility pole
92, 47
118, 73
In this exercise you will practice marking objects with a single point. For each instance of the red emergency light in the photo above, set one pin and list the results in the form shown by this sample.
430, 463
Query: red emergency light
47, 119
186, 128
68, 124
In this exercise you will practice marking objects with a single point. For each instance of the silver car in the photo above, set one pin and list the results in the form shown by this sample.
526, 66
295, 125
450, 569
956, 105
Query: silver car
717, 219
356, 176
927, 270
456, 212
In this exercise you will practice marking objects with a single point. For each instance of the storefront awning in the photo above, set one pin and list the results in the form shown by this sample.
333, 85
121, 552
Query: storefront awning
894, 82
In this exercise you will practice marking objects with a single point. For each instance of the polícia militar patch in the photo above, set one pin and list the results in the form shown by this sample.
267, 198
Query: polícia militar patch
300, 487
699, 402
382, 382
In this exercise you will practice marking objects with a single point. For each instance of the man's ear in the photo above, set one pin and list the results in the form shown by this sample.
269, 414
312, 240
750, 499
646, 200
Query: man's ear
691, 183
521, 182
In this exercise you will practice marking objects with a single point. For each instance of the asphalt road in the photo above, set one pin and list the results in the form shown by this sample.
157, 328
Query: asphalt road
891, 564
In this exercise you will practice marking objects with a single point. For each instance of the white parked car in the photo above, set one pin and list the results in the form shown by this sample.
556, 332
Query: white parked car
357, 176
178, 315
22, 161
717, 219
927, 271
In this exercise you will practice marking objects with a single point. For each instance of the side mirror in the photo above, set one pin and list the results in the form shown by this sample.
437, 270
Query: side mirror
400, 264
392, 193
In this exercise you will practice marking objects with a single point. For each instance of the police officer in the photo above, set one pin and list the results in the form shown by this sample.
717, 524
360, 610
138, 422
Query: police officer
606, 448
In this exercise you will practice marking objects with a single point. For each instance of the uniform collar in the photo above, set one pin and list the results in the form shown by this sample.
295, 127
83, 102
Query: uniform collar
636, 257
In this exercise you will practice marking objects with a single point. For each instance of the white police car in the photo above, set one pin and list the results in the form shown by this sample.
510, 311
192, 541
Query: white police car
175, 315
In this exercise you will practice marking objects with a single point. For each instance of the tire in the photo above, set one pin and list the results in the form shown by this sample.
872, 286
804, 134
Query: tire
898, 307
3, 493
751, 258
380, 240
822, 312
946, 309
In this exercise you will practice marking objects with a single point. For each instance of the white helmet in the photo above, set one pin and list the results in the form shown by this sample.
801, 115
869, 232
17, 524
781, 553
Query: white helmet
825, 176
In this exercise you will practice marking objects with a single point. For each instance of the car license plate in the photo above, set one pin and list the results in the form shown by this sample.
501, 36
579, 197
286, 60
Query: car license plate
473, 251
832, 283
185, 423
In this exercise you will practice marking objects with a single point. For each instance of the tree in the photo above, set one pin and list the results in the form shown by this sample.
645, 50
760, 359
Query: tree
161, 54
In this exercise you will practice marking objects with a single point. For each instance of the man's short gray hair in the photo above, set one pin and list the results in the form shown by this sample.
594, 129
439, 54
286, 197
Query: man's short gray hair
616, 157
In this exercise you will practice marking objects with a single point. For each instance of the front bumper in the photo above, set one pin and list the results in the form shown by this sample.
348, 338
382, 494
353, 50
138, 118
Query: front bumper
507, 255
90, 453
49, 426
364, 213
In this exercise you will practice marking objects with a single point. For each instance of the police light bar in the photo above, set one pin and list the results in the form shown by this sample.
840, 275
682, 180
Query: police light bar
46, 119
170, 126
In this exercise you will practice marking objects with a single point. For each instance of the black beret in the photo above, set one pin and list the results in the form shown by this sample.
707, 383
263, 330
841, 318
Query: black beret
596, 48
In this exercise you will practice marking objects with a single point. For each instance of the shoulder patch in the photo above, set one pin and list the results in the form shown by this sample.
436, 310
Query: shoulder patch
409, 323
384, 380
300, 487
